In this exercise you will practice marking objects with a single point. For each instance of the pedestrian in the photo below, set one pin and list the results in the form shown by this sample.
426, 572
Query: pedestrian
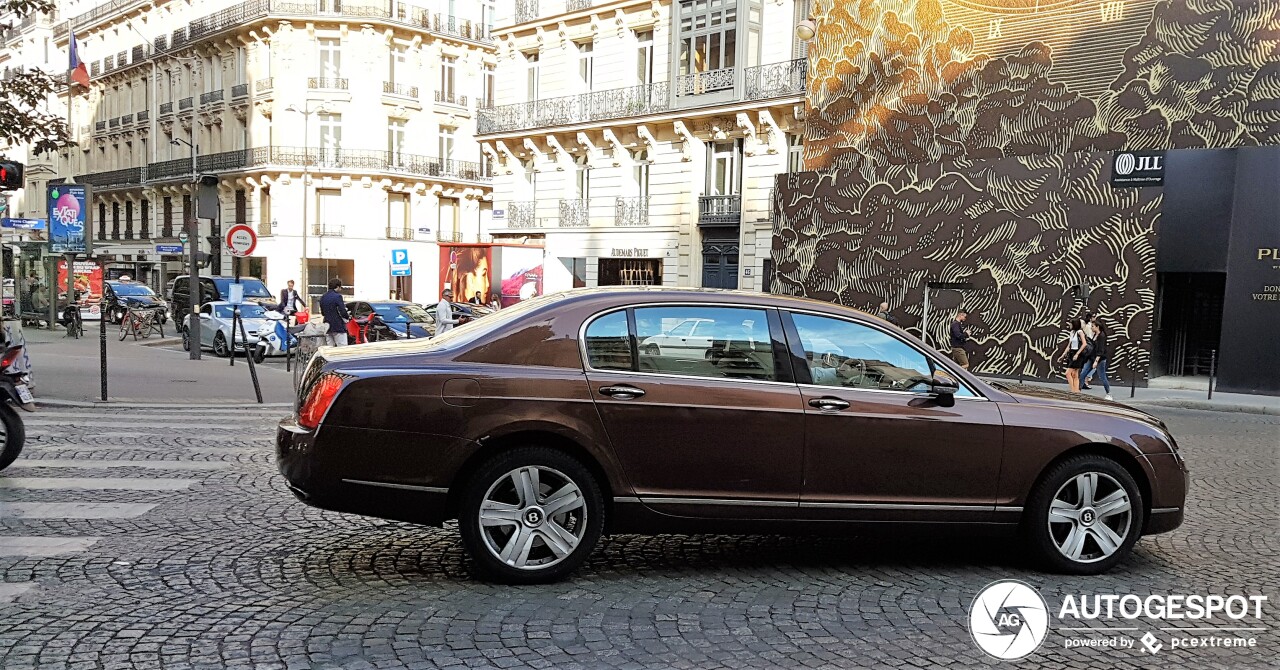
960, 336
444, 312
477, 299
883, 313
1098, 363
290, 302
495, 303
334, 310
1076, 352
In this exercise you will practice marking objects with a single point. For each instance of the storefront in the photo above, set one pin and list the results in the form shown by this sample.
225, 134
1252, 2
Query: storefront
612, 259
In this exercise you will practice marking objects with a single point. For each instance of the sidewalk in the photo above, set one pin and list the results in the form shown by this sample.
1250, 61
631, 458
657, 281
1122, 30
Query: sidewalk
1186, 398
147, 372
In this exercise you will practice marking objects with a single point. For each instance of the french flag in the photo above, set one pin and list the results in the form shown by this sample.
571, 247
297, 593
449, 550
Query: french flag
79, 72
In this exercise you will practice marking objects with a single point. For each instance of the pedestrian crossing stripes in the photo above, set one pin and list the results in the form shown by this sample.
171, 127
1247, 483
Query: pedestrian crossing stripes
72, 510
96, 464
96, 483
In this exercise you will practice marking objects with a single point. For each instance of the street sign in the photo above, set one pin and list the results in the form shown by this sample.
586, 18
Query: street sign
169, 248
23, 224
241, 240
182, 237
400, 266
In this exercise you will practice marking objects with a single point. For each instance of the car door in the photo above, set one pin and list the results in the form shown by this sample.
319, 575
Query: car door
879, 445
695, 438
208, 325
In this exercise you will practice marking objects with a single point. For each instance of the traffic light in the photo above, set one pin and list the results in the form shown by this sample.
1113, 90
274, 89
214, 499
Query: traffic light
10, 176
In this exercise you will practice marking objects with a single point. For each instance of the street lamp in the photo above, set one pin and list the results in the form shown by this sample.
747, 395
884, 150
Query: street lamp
193, 265
306, 178
195, 149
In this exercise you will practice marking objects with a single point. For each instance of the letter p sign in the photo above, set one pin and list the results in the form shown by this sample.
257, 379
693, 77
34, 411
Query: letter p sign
400, 257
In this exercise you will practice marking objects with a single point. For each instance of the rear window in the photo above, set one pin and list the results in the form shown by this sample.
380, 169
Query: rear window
609, 342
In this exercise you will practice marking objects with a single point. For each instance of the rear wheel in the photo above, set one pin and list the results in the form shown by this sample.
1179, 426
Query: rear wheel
652, 350
1084, 516
186, 341
530, 515
14, 435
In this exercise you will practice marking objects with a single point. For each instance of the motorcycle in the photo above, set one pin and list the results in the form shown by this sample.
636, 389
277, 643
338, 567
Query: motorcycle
274, 338
14, 390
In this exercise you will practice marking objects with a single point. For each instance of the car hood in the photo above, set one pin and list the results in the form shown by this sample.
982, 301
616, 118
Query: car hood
1050, 397
140, 300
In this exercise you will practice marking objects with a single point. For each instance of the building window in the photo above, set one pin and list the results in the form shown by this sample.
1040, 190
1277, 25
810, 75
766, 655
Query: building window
533, 73
146, 220
128, 220
644, 57
448, 76
330, 136
488, 8
800, 48
397, 213
329, 209
330, 6
102, 222
725, 175
586, 64
395, 138
708, 35
490, 86
795, 153
640, 171
330, 58
399, 59
578, 268
167, 218
446, 143
115, 220
449, 216
582, 180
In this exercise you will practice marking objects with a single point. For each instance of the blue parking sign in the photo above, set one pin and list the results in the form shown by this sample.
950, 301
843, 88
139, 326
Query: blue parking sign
400, 266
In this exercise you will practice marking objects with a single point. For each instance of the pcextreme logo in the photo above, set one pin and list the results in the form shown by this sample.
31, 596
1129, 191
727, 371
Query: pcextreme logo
1009, 620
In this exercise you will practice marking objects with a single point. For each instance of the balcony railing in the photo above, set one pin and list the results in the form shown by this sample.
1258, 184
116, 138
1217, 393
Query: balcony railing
442, 236
125, 177
615, 103
522, 214
344, 159
166, 108
177, 167
577, 5
99, 126
126, 120
239, 91
398, 233
327, 83
776, 80
263, 85
452, 25
451, 98
392, 88
185, 103
631, 211
575, 213
719, 210
114, 123
144, 115
712, 81
265, 229
328, 230
526, 10
211, 96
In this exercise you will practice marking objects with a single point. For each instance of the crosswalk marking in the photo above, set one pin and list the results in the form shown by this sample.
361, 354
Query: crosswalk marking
9, 591
133, 423
96, 483
73, 510
95, 464
28, 546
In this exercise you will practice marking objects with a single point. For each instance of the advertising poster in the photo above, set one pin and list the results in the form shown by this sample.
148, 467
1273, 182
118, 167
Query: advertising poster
87, 281
466, 269
68, 218
521, 271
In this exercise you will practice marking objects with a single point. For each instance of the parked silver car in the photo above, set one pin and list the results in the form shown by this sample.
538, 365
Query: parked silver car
215, 326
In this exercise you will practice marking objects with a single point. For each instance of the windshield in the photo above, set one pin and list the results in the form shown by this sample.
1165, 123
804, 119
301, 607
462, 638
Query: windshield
409, 313
132, 289
248, 311
253, 288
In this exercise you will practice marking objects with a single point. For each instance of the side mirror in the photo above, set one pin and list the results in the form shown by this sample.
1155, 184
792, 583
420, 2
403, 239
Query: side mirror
945, 388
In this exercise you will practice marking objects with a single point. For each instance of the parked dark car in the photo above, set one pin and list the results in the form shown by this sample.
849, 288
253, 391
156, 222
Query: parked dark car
215, 289
397, 318
120, 296
547, 423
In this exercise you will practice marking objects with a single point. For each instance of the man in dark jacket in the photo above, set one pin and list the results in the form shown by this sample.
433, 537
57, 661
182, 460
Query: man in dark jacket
334, 310
958, 339
290, 301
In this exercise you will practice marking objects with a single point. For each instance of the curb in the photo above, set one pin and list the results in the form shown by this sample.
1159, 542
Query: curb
1210, 406
194, 405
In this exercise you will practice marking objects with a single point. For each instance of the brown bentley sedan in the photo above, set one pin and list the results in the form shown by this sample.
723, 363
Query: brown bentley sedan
650, 410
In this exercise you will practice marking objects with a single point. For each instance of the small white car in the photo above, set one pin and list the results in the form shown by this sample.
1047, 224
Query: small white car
215, 327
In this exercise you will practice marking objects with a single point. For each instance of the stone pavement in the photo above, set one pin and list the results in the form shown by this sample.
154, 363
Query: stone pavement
1166, 396
130, 539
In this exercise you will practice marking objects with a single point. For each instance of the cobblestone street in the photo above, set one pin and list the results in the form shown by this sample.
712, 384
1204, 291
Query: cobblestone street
156, 538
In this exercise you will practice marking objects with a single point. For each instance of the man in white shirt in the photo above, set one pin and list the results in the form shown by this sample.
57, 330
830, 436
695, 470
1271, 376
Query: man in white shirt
444, 313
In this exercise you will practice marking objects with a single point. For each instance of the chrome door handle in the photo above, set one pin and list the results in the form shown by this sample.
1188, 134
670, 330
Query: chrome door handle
829, 404
621, 392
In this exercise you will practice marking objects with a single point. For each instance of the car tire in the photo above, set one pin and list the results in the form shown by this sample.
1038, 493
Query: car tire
549, 542
220, 347
186, 341
1083, 516
652, 350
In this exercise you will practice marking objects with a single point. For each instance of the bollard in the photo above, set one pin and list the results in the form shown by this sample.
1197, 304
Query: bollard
248, 355
1133, 382
1213, 370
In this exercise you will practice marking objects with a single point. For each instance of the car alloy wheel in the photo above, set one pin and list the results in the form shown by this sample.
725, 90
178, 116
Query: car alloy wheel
531, 515
652, 350
220, 347
1085, 515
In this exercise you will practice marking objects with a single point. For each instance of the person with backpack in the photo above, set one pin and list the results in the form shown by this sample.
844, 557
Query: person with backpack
1076, 353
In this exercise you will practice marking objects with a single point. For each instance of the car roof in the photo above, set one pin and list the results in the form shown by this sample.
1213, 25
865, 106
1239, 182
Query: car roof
676, 293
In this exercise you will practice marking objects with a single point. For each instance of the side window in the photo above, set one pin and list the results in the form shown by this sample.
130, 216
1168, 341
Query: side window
206, 308
732, 342
608, 342
850, 355
683, 330
360, 310
180, 286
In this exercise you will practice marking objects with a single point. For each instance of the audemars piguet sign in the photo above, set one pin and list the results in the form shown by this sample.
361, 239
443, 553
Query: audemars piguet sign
1137, 168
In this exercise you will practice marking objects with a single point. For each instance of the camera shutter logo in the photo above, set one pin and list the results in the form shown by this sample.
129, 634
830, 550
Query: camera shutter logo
1008, 620
1125, 163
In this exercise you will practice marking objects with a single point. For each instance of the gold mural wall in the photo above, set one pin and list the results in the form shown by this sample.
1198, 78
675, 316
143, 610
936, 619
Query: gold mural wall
971, 140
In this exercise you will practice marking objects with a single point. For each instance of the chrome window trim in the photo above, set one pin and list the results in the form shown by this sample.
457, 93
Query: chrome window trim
928, 356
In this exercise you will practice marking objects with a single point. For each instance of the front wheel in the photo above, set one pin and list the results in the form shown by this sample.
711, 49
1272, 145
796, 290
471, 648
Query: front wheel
220, 347
530, 515
15, 435
1084, 516
186, 341
259, 354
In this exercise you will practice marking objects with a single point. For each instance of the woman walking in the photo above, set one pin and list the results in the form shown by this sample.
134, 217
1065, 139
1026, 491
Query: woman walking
1076, 353
1098, 362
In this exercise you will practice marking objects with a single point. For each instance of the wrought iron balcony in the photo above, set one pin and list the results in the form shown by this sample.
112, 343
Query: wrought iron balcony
114, 123
265, 229
263, 85
392, 88
211, 96
575, 213
720, 210
185, 103
177, 167
99, 126
451, 98
166, 108
526, 10
327, 83
144, 115
452, 25
700, 83
139, 52
615, 103
161, 43
632, 211
776, 80
239, 91
126, 120
125, 177
328, 230
442, 236
577, 5
522, 214
226, 160
399, 233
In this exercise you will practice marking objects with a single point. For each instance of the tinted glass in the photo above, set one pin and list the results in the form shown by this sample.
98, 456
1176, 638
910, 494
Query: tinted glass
253, 288
132, 289
247, 311
851, 355
180, 285
402, 313
608, 344
722, 342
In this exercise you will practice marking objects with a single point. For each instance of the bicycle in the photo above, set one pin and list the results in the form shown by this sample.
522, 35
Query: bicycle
140, 323
72, 321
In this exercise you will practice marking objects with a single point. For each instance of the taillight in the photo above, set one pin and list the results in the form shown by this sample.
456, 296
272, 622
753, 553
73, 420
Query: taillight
10, 357
319, 400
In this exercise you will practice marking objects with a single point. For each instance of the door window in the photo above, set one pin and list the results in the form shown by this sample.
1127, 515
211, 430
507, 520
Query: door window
850, 355
705, 341
609, 342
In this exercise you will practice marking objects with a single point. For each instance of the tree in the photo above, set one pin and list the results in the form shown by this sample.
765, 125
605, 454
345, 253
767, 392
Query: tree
24, 111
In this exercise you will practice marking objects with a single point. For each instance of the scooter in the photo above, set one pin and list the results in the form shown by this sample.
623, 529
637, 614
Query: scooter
274, 338
14, 390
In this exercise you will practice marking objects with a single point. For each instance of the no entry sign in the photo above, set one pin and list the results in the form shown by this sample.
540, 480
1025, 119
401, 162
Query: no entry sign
241, 240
